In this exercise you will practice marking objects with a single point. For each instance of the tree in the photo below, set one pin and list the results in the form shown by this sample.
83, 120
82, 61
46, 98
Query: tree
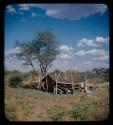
43, 49
24, 53
95, 70
102, 73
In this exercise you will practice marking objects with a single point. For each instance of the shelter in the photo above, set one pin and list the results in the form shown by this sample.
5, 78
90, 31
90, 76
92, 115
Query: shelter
63, 83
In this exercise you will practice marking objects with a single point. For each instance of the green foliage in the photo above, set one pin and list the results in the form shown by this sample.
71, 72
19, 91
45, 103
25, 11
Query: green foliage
102, 73
7, 72
15, 81
80, 112
43, 49
14, 72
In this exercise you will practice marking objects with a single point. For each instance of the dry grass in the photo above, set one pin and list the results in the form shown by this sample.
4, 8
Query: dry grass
14, 111
33, 105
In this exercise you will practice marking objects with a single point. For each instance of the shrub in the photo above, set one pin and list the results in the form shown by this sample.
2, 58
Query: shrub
15, 81
80, 112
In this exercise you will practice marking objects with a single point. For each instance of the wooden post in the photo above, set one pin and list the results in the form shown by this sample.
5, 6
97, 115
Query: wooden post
46, 81
56, 82
85, 81
56, 86
58, 76
39, 82
65, 74
72, 80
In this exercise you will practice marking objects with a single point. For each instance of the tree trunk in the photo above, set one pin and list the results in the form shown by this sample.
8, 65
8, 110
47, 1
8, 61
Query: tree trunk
43, 69
34, 68
39, 85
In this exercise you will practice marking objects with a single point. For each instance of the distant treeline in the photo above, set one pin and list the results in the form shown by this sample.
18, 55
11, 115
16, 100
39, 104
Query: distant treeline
101, 74
96, 73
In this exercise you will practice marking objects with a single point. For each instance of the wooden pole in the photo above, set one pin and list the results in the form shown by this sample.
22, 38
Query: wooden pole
65, 74
58, 76
39, 84
72, 79
46, 81
85, 81
56, 82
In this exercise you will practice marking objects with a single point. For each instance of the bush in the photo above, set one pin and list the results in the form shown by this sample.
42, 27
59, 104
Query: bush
80, 111
15, 81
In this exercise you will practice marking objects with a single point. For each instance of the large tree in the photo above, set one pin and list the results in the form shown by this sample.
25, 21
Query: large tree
43, 49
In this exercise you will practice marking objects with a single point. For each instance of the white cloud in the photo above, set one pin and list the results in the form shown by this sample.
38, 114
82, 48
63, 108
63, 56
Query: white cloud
72, 11
12, 51
65, 48
104, 57
99, 54
24, 7
87, 62
34, 14
64, 56
27, 7
81, 53
96, 52
85, 42
93, 42
66, 52
67, 11
11, 63
11, 9
99, 40
65, 60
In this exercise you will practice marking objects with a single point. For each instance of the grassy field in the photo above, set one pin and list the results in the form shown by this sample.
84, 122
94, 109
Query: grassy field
34, 105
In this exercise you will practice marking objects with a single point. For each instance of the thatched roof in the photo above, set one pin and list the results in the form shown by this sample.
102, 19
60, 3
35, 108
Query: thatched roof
64, 79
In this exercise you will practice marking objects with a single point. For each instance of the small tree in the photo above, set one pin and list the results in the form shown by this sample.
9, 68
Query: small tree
43, 49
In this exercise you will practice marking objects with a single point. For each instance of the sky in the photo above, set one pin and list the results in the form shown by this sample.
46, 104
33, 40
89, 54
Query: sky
82, 32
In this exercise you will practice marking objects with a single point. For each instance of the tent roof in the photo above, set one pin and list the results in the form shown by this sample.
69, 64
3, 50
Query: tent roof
66, 79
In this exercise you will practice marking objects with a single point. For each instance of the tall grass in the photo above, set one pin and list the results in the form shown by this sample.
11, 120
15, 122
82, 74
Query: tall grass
14, 111
24, 104
56, 113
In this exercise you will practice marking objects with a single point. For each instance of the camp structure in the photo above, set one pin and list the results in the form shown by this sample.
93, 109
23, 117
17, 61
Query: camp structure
63, 84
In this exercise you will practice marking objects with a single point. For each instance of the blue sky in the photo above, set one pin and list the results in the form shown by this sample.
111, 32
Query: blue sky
82, 31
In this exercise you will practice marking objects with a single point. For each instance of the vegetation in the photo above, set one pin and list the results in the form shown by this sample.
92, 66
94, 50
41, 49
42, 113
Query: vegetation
15, 81
43, 49
33, 105
101, 73
101, 76
56, 113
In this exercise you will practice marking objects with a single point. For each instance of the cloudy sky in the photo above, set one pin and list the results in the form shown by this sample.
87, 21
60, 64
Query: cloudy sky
81, 29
